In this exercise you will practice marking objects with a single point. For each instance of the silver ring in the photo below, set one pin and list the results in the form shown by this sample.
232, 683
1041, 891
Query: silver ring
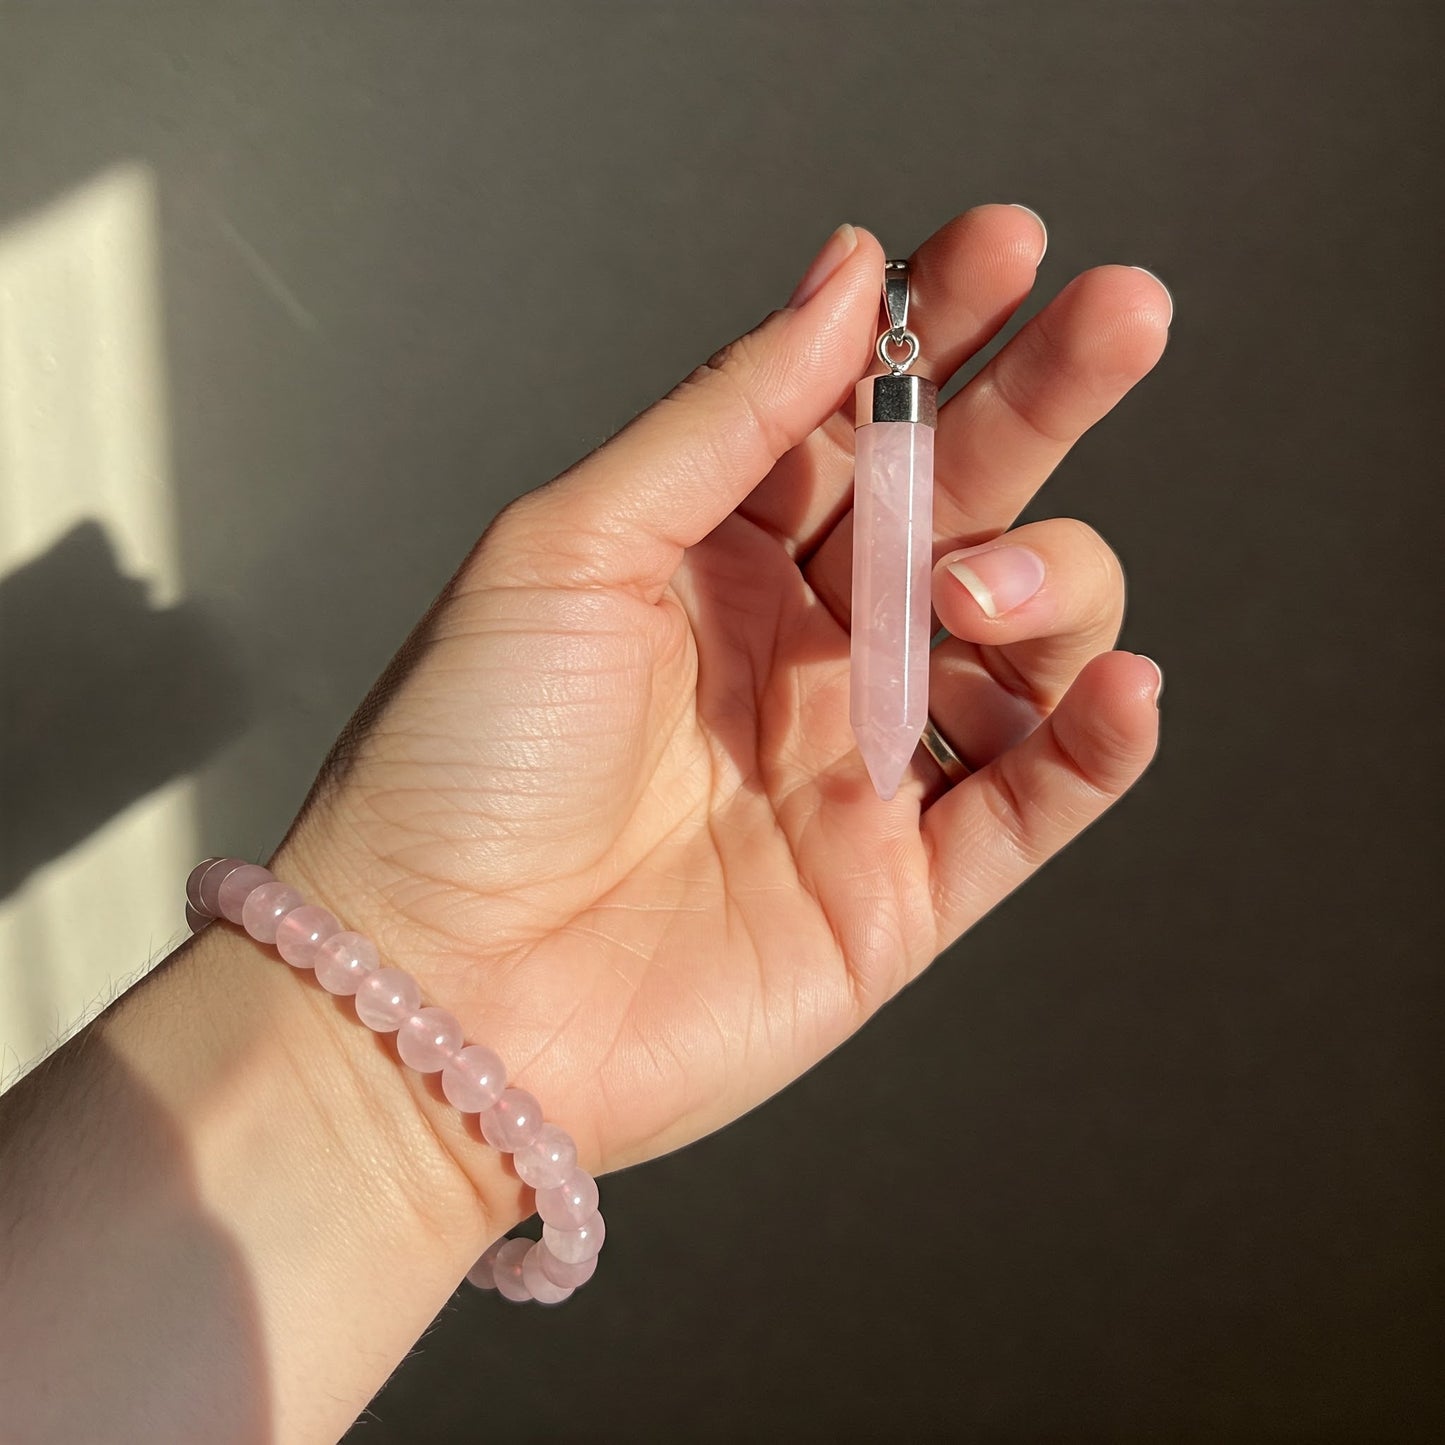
953, 767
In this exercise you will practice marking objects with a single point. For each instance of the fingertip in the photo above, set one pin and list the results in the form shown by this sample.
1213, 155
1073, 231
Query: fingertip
1158, 677
832, 333
830, 320
1167, 294
849, 256
1107, 722
1126, 680
1115, 320
991, 250
1136, 295
1043, 242
835, 252
862, 274
869, 243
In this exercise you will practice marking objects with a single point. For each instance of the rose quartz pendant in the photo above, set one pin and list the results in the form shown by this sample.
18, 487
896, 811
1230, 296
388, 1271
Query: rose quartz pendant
892, 550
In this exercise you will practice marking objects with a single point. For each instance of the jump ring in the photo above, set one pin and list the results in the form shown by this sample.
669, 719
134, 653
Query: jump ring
905, 339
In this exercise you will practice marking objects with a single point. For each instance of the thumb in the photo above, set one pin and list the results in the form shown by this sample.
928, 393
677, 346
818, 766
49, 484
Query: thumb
624, 514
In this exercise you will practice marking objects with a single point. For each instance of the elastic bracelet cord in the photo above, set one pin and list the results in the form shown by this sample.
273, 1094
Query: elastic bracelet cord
429, 1040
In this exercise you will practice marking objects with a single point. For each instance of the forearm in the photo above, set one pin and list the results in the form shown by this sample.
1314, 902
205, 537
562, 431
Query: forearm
226, 1213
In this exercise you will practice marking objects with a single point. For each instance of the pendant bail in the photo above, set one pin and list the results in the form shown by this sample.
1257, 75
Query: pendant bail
896, 396
895, 297
897, 336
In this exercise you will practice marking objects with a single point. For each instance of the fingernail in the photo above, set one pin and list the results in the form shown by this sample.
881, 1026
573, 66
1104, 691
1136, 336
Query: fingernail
1159, 687
1167, 292
999, 578
1019, 206
836, 249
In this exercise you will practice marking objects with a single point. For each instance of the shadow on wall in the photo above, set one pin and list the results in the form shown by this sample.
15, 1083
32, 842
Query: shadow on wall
105, 697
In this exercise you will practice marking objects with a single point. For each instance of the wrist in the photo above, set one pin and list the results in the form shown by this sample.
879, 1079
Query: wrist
350, 1218
261, 1204
420, 1108
457, 1088
280, 1064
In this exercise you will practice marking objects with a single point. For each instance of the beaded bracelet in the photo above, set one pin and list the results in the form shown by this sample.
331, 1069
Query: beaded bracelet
429, 1040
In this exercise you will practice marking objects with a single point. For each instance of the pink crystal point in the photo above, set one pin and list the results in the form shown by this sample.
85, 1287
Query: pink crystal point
892, 596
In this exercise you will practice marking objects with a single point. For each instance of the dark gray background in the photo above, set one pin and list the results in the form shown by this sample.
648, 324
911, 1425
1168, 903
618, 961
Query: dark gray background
1187, 1079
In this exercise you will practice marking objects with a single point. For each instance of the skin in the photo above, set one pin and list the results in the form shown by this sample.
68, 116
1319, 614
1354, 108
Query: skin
606, 806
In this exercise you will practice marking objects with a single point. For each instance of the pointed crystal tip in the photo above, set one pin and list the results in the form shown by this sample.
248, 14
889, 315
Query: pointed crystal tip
886, 753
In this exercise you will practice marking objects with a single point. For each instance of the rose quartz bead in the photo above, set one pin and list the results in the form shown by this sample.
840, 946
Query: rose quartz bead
570, 1203
236, 887
197, 921
343, 960
542, 1289
214, 872
514, 1120
428, 1039
480, 1274
266, 906
386, 998
193, 883
507, 1270
572, 1246
548, 1159
302, 931
473, 1079
569, 1276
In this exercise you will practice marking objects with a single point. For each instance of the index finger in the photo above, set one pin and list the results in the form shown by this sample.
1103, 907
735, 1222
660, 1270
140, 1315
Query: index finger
965, 282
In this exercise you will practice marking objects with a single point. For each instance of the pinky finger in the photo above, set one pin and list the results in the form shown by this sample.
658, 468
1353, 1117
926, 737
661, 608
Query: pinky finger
990, 832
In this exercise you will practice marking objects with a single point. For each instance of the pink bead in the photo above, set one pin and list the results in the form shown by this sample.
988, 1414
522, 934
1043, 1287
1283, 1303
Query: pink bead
197, 921
548, 1159
386, 998
572, 1246
427, 1039
193, 883
473, 1079
542, 1289
343, 960
570, 1203
480, 1274
514, 1120
265, 907
569, 1276
214, 872
236, 887
507, 1270
302, 931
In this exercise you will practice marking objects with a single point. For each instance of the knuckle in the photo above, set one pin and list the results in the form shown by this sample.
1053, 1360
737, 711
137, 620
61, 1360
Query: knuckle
729, 367
1101, 761
737, 378
1016, 820
510, 542
511, 528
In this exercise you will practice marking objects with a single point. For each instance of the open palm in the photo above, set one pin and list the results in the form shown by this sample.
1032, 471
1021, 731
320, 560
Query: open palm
606, 804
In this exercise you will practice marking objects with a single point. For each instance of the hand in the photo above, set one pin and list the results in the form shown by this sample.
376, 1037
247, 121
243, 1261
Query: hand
606, 803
